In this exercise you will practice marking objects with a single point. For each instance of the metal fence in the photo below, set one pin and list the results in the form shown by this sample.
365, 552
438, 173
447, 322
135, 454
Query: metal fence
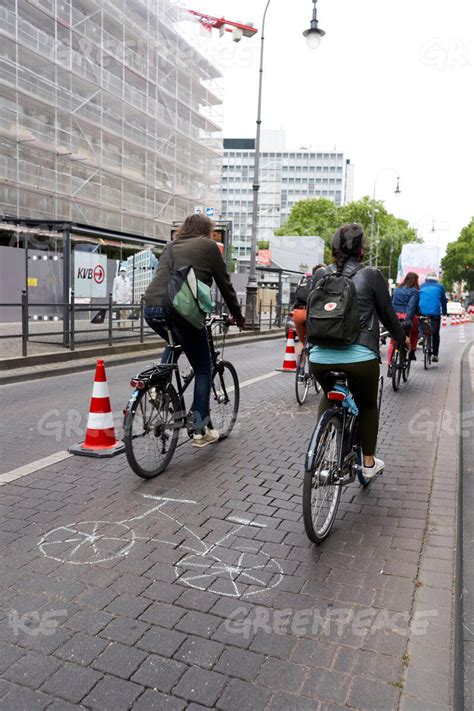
106, 318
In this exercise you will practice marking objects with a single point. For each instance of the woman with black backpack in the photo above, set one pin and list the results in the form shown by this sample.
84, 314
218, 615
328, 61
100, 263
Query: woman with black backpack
344, 325
192, 246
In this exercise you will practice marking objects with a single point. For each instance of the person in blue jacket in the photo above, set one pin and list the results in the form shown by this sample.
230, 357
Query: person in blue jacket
433, 303
405, 300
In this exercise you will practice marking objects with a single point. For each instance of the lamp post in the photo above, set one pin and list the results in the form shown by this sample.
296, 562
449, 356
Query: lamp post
313, 36
397, 191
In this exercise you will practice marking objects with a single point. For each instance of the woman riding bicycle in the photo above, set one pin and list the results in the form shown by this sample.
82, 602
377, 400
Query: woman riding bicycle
360, 361
299, 307
193, 246
405, 300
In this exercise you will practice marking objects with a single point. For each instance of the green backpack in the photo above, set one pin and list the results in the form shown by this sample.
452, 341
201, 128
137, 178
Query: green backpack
186, 297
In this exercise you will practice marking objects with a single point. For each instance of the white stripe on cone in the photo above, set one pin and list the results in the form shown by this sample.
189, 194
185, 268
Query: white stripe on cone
100, 421
100, 390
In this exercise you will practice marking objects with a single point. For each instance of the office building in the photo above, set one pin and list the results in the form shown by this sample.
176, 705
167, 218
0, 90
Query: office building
285, 178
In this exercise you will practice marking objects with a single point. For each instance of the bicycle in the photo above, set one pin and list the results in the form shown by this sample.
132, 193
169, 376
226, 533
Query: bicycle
253, 571
426, 329
334, 458
400, 362
156, 411
304, 377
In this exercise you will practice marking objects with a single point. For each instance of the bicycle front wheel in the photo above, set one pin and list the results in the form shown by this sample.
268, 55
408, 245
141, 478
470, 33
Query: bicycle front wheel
225, 398
302, 378
320, 495
396, 369
151, 430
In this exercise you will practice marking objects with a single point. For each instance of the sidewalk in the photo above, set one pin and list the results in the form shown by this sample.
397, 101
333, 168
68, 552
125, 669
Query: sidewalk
63, 362
109, 602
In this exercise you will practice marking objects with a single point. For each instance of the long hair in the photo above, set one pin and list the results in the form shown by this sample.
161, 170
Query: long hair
411, 281
348, 241
195, 225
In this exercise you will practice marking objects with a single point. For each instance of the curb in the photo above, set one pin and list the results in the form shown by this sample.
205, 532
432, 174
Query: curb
464, 643
82, 361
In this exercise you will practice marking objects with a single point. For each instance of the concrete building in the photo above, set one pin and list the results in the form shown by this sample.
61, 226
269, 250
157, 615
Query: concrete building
285, 178
107, 115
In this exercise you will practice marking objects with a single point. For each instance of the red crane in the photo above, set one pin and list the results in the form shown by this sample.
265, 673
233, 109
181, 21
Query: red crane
237, 29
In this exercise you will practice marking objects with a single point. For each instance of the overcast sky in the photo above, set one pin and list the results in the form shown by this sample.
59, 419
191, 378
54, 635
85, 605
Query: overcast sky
391, 85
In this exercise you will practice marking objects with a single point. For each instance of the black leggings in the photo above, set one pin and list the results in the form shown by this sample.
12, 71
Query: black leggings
363, 381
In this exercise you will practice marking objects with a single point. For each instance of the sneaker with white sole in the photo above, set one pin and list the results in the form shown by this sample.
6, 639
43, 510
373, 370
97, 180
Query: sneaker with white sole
375, 470
209, 437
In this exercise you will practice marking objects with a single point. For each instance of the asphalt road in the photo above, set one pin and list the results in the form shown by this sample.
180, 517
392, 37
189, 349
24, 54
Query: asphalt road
41, 417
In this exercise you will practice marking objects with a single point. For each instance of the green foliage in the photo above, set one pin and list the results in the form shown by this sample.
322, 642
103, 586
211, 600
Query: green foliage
321, 217
458, 263
263, 244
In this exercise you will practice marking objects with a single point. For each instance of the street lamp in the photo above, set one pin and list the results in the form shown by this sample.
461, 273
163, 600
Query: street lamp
252, 284
314, 34
397, 191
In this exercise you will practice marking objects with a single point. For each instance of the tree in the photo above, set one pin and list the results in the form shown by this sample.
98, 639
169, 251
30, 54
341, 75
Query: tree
458, 263
320, 216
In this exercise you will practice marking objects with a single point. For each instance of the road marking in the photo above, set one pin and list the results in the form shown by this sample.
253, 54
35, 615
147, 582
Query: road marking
33, 467
59, 456
258, 379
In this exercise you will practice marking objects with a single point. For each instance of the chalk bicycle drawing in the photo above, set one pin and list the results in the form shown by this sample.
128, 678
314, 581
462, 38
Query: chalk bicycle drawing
250, 571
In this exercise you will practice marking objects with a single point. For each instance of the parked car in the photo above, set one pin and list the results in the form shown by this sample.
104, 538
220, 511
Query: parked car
455, 308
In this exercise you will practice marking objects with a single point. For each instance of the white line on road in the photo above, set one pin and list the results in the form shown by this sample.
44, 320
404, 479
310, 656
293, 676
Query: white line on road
59, 456
33, 467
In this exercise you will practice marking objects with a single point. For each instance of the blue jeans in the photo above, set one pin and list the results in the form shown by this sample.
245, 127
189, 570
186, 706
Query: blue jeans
195, 344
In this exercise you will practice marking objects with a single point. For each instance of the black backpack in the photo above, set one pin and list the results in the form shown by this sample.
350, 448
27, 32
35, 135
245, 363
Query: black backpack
302, 291
332, 310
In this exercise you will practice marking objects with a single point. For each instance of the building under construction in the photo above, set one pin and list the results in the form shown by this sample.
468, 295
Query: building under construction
108, 114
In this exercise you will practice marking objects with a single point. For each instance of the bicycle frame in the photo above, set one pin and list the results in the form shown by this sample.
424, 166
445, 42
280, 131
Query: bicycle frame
346, 470
164, 371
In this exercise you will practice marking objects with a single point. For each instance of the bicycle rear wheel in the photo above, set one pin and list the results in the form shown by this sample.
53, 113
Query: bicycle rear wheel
406, 367
151, 430
320, 496
225, 398
303, 377
427, 352
396, 368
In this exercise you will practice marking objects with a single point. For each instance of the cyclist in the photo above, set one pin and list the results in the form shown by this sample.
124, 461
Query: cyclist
299, 307
433, 303
360, 361
193, 246
405, 299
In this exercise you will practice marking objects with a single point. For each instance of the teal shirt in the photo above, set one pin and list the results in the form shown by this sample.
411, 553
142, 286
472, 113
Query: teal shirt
324, 355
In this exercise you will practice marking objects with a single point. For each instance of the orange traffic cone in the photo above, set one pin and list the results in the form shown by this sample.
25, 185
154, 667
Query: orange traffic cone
444, 321
100, 438
289, 361
453, 320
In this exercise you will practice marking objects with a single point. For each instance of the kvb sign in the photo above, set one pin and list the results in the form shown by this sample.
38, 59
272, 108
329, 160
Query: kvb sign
90, 275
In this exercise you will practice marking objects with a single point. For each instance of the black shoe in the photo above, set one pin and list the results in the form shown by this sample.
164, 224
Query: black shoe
412, 355
435, 359
389, 371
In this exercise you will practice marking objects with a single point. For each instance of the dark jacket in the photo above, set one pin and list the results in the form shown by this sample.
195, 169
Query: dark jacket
405, 300
201, 253
374, 303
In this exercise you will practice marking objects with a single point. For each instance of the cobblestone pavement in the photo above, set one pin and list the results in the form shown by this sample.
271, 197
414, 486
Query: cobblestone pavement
200, 589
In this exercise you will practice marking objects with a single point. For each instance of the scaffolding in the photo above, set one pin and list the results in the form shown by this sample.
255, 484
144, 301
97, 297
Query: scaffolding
107, 114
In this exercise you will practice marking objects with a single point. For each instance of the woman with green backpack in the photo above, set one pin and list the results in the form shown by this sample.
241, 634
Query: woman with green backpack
177, 299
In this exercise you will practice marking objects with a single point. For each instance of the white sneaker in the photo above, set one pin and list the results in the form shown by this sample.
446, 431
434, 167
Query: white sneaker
208, 437
376, 470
